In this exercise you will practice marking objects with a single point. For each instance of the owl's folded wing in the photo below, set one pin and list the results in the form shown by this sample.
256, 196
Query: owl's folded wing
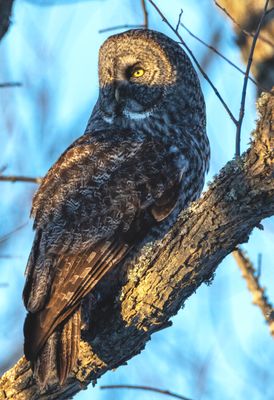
89, 211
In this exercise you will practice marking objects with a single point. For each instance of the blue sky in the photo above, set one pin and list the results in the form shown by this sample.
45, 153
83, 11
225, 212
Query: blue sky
219, 345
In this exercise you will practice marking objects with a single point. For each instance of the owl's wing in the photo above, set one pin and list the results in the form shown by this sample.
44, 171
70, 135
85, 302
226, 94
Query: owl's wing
93, 205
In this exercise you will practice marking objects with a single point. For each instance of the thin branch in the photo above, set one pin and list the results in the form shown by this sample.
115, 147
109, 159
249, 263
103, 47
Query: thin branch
9, 256
147, 388
245, 32
259, 266
179, 20
10, 178
144, 8
258, 293
126, 26
117, 27
196, 62
219, 54
8, 235
2, 169
250, 59
10, 84
4, 285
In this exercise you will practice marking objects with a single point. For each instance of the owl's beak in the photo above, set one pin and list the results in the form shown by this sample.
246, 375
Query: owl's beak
117, 95
112, 99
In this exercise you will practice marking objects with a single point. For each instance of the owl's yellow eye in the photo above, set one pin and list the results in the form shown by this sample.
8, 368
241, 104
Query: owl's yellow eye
137, 73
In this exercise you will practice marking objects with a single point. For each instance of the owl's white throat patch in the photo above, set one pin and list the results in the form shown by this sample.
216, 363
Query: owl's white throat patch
134, 116
137, 115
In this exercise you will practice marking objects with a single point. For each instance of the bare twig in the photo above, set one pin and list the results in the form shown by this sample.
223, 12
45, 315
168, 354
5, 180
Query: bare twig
144, 8
179, 20
219, 54
10, 84
9, 256
117, 27
245, 32
196, 62
250, 58
9, 178
147, 388
3, 168
8, 235
259, 266
258, 293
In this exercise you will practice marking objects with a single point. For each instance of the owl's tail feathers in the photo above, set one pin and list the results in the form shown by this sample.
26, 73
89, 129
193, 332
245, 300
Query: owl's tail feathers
60, 352
68, 346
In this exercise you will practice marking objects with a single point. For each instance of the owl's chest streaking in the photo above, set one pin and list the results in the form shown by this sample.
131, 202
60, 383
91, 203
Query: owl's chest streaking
183, 137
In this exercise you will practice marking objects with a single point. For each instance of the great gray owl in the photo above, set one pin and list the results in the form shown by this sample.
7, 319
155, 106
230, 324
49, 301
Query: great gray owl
141, 160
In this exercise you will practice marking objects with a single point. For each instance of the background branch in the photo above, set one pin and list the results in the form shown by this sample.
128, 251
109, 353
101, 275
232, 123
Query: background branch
183, 43
18, 178
249, 62
240, 28
144, 8
118, 27
146, 388
245, 16
253, 285
212, 48
10, 84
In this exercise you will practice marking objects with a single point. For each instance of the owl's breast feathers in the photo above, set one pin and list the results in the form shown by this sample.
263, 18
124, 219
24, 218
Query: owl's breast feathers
96, 201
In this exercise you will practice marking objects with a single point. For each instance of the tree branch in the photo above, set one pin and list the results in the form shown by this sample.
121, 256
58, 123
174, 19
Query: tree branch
248, 66
19, 178
247, 14
240, 28
183, 43
212, 48
145, 13
146, 388
10, 84
156, 283
118, 27
258, 293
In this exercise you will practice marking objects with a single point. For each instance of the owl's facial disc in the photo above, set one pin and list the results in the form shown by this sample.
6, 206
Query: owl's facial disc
133, 76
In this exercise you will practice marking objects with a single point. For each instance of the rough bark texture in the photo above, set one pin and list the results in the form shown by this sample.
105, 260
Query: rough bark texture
247, 14
167, 272
5, 14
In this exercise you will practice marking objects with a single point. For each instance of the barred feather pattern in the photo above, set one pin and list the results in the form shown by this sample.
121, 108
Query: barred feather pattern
142, 159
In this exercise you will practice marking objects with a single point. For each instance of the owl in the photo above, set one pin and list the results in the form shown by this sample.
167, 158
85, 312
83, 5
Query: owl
141, 160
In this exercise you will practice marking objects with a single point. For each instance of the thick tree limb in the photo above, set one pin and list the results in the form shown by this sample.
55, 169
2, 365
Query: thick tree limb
169, 270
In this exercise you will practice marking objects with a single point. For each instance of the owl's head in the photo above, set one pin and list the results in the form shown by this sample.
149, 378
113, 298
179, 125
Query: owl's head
140, 72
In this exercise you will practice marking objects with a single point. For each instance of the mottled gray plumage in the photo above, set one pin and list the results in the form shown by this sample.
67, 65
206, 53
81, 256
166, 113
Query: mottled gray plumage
142, 159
